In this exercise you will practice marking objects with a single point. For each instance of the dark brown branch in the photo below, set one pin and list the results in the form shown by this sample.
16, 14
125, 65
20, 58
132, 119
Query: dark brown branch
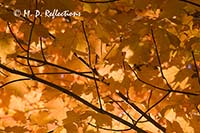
159, 61
43, 56
149, 99
29, 42
152, 107
3, 74
197, 108
84, 62
39, 65
13, 81
159, 88
190, 2
90, 64
88, 44
61, 67
18, 42
55, 73
196, 67
108, 129
141, 112
71, 94
133, 121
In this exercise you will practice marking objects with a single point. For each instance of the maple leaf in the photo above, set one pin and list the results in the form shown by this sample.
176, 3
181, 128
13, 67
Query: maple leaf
139, 48
7, 46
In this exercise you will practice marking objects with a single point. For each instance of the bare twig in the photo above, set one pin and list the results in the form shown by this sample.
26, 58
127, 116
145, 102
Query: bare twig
13, 81
61, 67
29, 42
196, 67
88, 44
69, 93
149, 99
190, 2
133, 121
84, 62
143, 115
3, 74
39, 65
55, 73
18, 42
141, 112
43, 56
159, 88
197, 108
90, 65
159, 61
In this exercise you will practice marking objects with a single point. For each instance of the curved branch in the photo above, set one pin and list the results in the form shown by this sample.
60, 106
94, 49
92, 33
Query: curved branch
190, 2
123, 109
196, 68
159, 61
141, 112
14, 36
145, 113
159, 88
78, 98
13, 81
63, 68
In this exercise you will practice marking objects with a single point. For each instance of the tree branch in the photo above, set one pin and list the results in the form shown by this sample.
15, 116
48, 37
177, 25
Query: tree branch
159, 61
63, 68
190, 2
133, 121
90, 65
196, 67
159, 88
69, 93
13, 81
141, 112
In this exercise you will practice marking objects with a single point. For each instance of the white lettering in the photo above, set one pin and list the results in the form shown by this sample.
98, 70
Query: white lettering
37, 13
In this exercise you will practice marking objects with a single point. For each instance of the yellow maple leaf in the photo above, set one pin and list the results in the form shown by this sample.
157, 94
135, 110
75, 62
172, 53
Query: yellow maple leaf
7, 46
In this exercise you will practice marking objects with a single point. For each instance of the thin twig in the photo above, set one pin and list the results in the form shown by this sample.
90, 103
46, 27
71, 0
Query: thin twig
196, 67
141, 112
133, 121
18, 42
69, 93
109, 51
29, 42
63, 68
13, 81
190, 2
197, 108
90, 65
3, 74
149, 99
55, 73
159, 61
43, 56
158, 102
159, 88
88, 44
84, 62
28, 65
